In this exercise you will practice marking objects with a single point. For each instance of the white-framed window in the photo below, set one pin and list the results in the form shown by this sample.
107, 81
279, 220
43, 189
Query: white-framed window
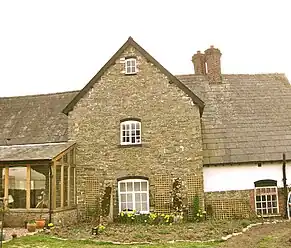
133, 194
130, 66
130, 132
266, 200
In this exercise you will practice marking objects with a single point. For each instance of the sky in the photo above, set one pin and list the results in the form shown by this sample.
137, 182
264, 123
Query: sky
59, 45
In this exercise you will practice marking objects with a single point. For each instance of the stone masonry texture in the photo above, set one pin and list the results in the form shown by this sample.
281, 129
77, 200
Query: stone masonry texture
171, 134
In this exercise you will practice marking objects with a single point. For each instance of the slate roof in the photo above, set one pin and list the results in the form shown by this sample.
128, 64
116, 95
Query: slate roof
246, 117
32, 151
34, 119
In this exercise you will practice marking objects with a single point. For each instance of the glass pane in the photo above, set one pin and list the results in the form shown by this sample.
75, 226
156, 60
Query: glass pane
2, 181
259, 205
129, 206
128, 63
137, 186
144, 197
269, 204
144, 186
122, 187
144, 206
137, 125
66, 183
264, 211
17, 187
123, 206
133, 126
258, 198
274, 197
58, 186
129, 186
39, 186
123, 198
263, 198
137, 206
275, 210
268, 198
264, 205
129, 198
72, 186
274, 204
137, 197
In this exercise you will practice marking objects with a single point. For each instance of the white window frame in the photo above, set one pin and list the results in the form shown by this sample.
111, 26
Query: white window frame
268, 213
126, 131
133, 192
131, 68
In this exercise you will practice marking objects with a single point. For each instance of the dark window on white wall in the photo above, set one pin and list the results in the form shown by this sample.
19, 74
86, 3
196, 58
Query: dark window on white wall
266, 197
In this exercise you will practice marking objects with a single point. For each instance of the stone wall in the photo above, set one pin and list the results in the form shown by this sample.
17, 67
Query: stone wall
171, 135
65, 217
17, 217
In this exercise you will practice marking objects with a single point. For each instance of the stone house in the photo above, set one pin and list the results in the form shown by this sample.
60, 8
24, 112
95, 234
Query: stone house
138, 138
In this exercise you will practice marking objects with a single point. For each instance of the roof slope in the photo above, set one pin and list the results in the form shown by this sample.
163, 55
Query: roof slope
246, 117
34, 119
32, 151
131, 42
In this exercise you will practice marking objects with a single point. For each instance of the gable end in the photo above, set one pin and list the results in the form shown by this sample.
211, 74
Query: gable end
130, 42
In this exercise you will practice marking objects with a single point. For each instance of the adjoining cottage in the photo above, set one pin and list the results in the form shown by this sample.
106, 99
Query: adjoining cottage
138, 138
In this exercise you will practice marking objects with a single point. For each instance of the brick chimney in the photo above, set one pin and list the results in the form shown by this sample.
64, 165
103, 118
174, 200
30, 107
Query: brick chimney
212, 58
198, 60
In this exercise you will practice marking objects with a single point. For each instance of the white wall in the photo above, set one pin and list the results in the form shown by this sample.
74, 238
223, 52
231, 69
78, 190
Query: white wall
241, 177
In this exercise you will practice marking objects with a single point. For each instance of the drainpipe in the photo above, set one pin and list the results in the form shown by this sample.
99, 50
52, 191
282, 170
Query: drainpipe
50, 193
285, 185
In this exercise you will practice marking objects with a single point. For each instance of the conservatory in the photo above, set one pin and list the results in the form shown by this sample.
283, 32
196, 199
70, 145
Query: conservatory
38, 181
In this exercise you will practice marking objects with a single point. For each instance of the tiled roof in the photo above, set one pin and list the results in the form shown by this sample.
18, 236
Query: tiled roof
246, 117
34, 119
32, 151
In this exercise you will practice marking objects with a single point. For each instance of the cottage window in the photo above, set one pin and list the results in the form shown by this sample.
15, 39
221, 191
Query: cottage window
130, 132
130, 66
133, 194
266, 198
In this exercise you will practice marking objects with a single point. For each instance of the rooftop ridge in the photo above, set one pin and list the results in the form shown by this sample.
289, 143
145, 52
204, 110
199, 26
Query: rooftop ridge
37, 95
235, 74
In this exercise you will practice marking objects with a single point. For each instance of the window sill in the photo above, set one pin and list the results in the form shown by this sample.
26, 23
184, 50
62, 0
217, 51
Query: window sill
130, 74
130, 145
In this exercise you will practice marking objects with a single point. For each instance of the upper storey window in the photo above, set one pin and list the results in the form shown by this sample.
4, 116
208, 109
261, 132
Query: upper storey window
130, 132
130, 66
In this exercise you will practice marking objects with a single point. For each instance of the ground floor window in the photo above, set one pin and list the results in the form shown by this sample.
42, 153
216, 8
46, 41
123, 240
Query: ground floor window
266, 197
133, 194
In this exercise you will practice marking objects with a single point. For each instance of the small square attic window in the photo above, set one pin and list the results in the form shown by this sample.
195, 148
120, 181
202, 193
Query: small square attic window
130, 66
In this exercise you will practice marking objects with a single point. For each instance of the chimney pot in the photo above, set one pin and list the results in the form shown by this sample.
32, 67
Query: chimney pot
198, 60
212, 58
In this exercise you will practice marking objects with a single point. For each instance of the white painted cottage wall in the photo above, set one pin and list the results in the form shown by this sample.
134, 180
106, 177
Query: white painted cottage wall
242, 177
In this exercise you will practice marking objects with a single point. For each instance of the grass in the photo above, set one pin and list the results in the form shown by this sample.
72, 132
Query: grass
43, 241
